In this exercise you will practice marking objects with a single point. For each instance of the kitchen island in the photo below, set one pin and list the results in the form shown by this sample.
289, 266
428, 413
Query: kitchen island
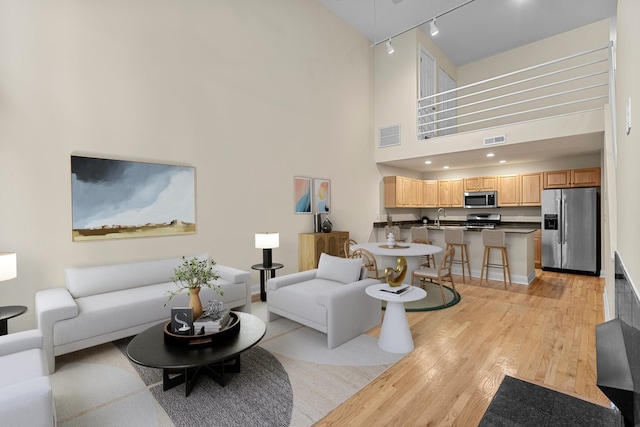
520, 249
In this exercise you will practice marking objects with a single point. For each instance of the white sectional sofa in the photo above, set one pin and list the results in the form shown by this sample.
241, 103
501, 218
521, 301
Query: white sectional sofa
330, 299
25, 389
104, 303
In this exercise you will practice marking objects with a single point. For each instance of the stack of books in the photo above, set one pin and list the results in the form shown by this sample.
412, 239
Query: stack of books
208, 325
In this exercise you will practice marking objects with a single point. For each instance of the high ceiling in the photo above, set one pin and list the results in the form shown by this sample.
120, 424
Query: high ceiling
475, 29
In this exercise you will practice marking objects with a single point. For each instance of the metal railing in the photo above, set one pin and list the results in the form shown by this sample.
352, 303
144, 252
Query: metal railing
572, 84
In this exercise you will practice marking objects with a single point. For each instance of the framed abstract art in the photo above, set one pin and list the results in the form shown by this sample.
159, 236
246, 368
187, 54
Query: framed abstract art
321, 195
302, 195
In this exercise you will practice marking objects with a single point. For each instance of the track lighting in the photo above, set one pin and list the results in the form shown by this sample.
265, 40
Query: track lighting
390, 48
434, 29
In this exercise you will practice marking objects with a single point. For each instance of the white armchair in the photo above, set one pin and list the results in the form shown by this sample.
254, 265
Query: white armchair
26, 398
330, 299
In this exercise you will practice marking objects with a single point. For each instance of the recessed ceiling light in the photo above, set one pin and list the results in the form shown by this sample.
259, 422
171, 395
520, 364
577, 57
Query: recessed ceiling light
445, 167
490, 155
503, 161
428, 162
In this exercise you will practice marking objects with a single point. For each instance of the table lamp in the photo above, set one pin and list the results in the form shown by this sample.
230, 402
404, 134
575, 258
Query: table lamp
266, 242
8, 266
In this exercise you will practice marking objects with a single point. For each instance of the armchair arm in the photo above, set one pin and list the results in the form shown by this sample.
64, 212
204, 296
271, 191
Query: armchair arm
350, 311
20, 341
53, 305
290, 279
28, 403
234, 275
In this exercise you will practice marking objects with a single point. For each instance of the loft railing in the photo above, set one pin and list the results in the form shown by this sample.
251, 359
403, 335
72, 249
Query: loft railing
572, 84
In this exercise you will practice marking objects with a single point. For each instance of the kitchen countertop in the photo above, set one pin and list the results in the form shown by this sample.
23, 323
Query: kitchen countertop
508, 227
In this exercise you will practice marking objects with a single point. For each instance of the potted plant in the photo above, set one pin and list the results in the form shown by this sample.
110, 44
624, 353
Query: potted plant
192, 275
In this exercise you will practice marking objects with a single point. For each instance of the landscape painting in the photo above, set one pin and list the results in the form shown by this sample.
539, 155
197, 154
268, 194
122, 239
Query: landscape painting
115, 199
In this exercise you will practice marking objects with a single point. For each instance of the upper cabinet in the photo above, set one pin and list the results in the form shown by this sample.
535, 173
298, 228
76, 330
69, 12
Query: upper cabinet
456, 193
482, 183
430, 193
520, 190
508, 190
589, 177
403, 192
531, 189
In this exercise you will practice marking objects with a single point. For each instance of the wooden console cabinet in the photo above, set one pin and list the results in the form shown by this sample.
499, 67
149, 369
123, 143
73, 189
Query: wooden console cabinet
311, 245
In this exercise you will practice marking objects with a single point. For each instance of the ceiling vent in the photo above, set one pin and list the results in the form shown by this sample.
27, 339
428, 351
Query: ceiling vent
389, 136
495, 140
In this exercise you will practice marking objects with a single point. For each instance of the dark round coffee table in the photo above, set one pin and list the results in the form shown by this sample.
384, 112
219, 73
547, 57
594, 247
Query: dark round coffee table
185, 364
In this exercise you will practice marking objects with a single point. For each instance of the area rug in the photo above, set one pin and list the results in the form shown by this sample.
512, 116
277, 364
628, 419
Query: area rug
99, 386
433, 300
520, 403
260, 393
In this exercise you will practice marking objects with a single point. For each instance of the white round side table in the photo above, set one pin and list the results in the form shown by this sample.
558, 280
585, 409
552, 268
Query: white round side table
395, 334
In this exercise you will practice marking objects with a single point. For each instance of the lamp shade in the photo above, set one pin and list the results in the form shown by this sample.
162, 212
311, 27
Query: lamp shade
8, 266
267, 240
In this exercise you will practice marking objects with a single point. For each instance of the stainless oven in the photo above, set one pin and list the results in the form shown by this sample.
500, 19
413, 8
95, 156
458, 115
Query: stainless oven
481, 199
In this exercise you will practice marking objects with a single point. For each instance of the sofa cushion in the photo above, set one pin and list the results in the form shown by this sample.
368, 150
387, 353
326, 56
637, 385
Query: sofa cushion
343, 270
21, 366
300, 299
86, 281
114, 311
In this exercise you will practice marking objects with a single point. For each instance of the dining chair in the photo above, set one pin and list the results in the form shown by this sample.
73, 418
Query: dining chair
347, 247
369, 262
437, 275
421, 235
395, 230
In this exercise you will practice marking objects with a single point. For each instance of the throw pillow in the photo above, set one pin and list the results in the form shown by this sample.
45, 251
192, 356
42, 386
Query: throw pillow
343, 270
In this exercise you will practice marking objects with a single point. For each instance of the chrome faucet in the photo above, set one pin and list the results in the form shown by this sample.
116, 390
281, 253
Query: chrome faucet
438, 216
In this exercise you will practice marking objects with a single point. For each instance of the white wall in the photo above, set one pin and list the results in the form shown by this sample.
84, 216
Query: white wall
250, 93
628, 146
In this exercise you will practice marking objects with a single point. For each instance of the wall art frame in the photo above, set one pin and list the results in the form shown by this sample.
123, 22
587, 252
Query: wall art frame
302, 195
118, 199
321, 195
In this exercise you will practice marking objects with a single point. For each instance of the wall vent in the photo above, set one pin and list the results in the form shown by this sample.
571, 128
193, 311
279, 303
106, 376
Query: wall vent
495, 140
389, 136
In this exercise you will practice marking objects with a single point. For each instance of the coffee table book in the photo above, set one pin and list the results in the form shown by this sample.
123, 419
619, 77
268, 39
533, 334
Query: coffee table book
182, 320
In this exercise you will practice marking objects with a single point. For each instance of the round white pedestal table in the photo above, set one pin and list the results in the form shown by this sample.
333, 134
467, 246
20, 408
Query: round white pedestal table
395, 334
412, 252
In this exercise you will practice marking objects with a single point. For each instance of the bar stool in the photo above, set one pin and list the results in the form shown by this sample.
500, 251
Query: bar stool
455, 237
495, 239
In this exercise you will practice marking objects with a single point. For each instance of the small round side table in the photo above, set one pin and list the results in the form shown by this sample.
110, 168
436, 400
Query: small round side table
395, 334
8, 312
263, 276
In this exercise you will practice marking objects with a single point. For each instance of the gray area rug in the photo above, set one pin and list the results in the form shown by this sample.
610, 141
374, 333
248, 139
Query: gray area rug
520, 403
260, 395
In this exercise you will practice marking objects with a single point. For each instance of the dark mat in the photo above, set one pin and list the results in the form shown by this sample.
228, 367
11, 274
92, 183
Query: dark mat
260, 395
520, 403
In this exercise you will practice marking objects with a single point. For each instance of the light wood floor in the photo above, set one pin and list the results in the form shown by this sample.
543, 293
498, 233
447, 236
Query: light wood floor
542, 333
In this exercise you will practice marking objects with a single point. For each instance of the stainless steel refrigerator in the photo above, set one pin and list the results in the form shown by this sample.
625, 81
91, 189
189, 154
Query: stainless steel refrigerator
570, 230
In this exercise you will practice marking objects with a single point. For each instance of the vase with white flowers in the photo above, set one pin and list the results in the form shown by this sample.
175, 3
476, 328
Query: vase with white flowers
192, 275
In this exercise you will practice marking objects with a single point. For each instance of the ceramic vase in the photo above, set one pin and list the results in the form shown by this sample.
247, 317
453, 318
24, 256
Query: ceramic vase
195, 303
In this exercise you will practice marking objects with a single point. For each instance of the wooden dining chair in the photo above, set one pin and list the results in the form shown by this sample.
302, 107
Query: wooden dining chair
347, 247
421, 235
369, 262
439, 274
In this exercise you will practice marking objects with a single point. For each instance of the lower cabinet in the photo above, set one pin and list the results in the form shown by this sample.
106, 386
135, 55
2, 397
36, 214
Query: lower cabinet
311, 245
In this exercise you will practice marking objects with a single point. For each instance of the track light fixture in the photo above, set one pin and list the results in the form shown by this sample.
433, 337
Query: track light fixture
390, 48
433, 28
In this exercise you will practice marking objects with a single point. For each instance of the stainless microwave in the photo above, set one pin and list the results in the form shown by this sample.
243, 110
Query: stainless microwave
481, 199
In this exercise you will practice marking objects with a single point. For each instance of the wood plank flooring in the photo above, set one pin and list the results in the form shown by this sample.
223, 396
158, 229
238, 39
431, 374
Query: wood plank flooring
542, 333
